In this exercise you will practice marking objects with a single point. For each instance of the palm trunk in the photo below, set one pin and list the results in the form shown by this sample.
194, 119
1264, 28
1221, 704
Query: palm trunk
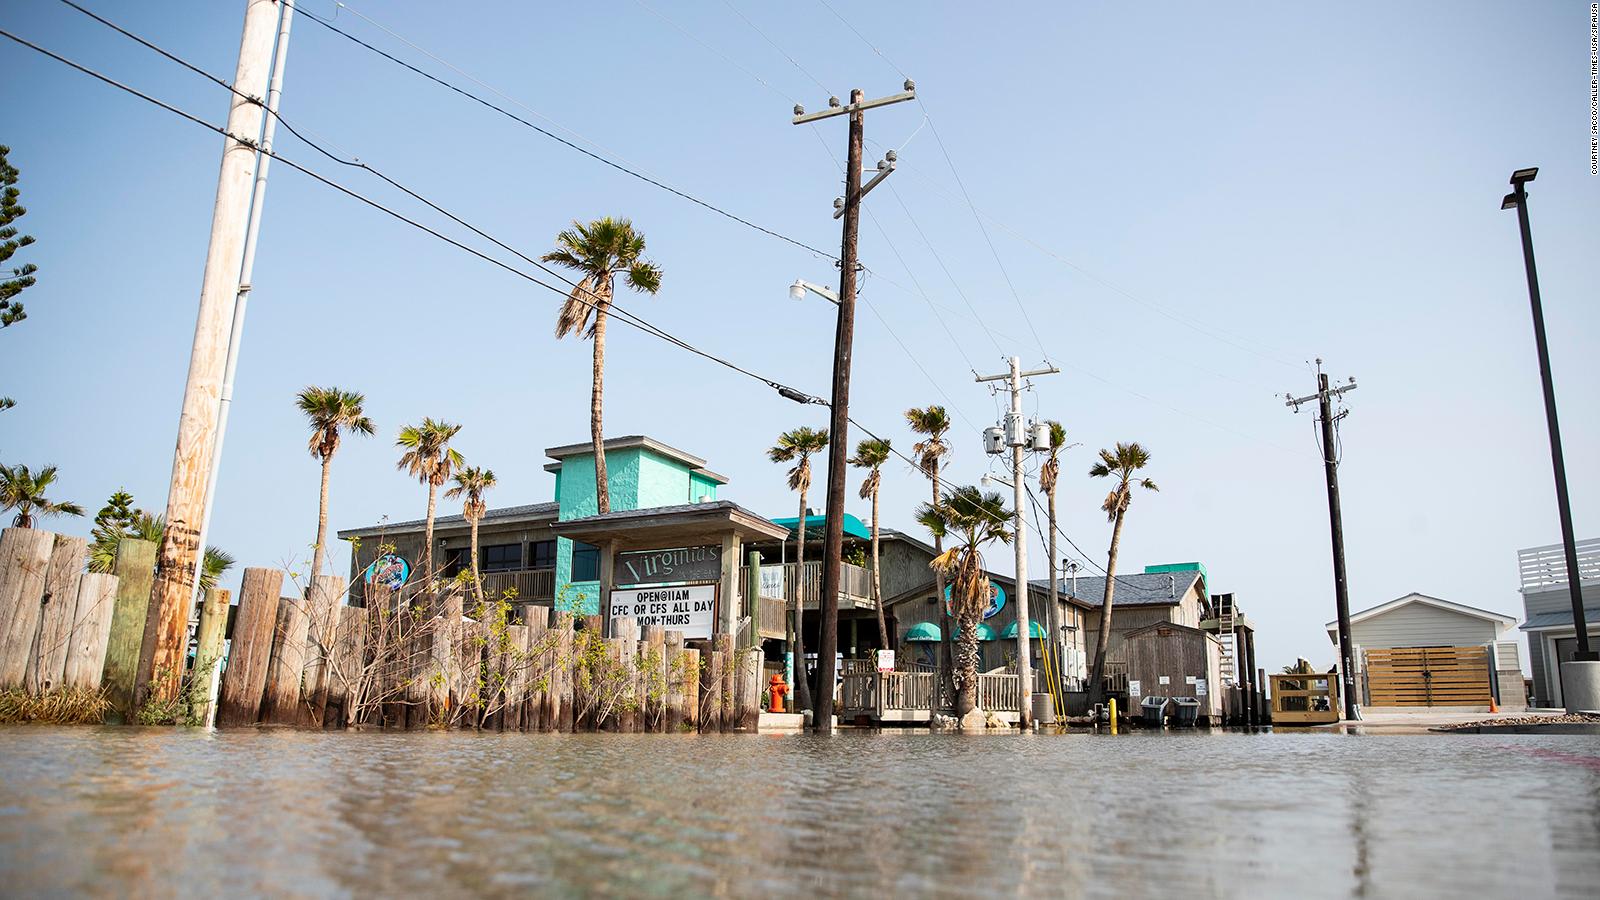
967, 666
427, 539
946, 636
319, 553
1097, 693
477, 583
596, 432
877, 584
802, 678
1054, 620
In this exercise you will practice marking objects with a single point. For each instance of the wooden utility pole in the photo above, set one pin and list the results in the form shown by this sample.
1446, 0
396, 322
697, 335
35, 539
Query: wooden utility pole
839, 406
164, 650
1019, 436
1330, 467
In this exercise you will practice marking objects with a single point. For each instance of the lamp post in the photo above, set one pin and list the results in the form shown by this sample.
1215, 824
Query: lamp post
1518, 200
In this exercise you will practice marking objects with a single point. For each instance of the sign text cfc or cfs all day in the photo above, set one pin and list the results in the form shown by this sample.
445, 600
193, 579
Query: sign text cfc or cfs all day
691, 610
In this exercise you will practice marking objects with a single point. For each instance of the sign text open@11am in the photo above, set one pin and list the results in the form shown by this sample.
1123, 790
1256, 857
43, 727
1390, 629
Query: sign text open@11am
691, 610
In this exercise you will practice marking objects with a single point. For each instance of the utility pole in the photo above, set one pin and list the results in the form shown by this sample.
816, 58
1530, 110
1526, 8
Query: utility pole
1018, 436
839, 406
1519, 198
1330, 466
163, 655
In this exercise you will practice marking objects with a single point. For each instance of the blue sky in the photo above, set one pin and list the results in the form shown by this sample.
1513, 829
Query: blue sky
1189, 203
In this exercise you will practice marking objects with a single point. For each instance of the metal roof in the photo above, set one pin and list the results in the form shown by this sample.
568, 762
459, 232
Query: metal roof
532, 512
694, 463
1137, 589
1562, 619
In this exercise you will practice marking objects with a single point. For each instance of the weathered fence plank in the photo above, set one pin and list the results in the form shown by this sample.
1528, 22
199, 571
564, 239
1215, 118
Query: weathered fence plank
322, 605
690, 680
58, 609
711, 693
538, 678
749, 693
280, 703
24, 563
209, 636
91, 626
653, 654
674, 661
730, 668
562, 711
250, 649
135, 568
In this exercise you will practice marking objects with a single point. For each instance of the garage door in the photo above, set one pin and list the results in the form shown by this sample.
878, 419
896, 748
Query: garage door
1428, 676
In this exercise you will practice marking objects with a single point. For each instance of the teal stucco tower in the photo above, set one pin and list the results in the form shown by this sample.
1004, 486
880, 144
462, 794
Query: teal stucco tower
641, 473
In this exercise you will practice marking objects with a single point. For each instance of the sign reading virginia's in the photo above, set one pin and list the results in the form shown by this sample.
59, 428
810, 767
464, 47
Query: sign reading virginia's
658, 566
691, 610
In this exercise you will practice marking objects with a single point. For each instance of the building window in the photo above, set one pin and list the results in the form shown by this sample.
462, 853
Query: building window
500, 557
585, 562
455, 561
542, 555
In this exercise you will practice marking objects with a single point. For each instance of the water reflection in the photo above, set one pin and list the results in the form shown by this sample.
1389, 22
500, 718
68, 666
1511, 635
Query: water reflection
157, 811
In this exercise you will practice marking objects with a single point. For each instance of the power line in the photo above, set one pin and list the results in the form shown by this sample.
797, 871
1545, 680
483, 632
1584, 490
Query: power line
784, 53
563, 141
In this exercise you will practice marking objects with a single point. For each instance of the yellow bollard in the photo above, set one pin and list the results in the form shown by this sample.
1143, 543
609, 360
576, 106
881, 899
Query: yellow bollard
1113, 715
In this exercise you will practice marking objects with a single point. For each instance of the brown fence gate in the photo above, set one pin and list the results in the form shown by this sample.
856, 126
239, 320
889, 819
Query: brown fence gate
1428, 676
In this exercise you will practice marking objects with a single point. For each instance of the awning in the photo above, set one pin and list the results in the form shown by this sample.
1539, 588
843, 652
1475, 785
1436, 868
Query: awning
1562, 619
852, 527
1034, 630
985, 633
924, 632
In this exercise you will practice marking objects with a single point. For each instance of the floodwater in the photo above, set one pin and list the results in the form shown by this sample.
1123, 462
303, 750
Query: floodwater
159, 812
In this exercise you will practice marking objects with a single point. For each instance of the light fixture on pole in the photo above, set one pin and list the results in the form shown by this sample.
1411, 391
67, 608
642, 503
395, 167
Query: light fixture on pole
797, 291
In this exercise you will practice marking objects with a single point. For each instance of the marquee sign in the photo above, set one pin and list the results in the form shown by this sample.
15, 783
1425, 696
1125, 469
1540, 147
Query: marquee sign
675, 565
691, 609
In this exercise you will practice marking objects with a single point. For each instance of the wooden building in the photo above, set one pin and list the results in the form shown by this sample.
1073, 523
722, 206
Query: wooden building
1167, 659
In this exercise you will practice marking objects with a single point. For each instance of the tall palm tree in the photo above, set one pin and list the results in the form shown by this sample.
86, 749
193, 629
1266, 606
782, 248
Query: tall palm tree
933, 422
871, 454
23, 490
1123, 464
798, 446
599, 251
471, 482
973, 519
1049, 478
429, 459
331, 413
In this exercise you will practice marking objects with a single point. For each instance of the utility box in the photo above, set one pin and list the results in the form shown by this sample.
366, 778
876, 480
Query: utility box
1016, 431
994, 440
1041, 436
1154, 711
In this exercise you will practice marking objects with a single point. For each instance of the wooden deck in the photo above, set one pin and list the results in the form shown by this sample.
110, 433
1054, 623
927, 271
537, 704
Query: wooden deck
914, 697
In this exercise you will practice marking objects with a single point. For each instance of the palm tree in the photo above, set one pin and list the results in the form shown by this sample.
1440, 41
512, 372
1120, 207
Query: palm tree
1123, 464
973, 519
331, 413
471, 483
871, 454
113, 524
23, 490
797, 446
1049, 478
599, 251
930, 453
429, 459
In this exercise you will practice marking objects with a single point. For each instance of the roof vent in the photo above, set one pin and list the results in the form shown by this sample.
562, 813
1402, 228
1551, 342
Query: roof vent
1172, 586
703, 498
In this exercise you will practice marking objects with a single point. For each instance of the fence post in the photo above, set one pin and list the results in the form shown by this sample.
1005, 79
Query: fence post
135, 568
58, 608
24, 562
281, 701
208, 647
250, 652
91, 626
322, 604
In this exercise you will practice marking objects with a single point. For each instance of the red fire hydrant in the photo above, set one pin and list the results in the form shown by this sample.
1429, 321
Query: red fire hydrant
778, 690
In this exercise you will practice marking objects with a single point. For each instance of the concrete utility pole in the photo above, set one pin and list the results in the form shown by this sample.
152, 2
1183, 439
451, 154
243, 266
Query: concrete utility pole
839, 406
1519, 198
1330, 466
163, 655
1018, 436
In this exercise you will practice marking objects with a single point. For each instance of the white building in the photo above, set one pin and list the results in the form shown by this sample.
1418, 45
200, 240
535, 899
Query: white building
1547, 604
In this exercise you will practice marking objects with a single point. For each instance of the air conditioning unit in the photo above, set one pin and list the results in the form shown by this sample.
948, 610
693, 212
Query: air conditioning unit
994, 440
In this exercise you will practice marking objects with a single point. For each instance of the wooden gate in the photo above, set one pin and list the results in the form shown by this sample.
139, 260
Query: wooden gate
1428, 676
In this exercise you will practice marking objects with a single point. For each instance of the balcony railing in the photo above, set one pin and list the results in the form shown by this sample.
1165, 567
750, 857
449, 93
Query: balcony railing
779, 582
531, 585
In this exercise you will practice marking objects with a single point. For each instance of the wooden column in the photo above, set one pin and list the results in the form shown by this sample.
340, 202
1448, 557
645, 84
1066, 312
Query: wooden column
24, 563
135, 568
58, 608
254, 628
608, 581
91, 626
732, 610
209, 637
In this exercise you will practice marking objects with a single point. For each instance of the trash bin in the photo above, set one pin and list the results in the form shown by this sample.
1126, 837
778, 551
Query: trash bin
1154, 711
1044, 709
1186, 711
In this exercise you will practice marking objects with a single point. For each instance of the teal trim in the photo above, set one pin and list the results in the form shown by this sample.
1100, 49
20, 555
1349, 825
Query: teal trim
1034, 629
924, 632
1205, 577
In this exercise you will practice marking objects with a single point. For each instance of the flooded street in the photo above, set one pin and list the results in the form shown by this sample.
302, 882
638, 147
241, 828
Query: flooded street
163, 812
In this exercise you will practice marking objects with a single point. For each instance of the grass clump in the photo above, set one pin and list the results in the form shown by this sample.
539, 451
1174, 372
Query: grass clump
61, 706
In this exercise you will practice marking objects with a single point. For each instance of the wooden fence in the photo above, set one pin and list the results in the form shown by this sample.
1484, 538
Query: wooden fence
55, 619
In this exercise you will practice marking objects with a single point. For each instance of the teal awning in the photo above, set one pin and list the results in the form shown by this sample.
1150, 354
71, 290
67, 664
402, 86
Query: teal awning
924, 632
985, 633
1034, 630
853, 527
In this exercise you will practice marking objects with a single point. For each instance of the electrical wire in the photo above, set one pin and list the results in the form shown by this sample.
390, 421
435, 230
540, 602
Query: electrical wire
563, 141
784, 53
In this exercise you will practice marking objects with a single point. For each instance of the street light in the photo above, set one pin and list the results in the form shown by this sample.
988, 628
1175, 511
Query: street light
1518, 200
797, 291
